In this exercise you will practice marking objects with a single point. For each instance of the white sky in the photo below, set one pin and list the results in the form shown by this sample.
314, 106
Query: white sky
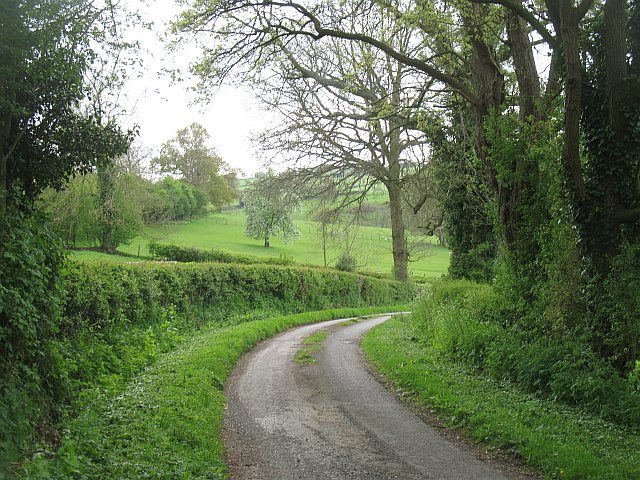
160, 108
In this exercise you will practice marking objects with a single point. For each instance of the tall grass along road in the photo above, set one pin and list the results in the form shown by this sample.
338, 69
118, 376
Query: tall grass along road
303, 405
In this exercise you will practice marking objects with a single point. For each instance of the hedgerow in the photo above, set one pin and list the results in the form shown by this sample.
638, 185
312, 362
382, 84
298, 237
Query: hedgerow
175, 253
474, 324
31, 381
98, 294
111, 311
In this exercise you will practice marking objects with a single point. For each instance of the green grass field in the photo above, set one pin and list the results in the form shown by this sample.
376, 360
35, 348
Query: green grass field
225, 231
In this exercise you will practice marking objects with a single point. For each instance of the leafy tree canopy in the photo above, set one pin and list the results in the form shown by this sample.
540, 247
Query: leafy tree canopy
46, 50
187, 156
269, 210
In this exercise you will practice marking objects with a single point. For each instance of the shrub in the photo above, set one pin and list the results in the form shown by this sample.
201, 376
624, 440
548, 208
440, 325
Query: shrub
111, 311
99, 294
457, 318
91, 323
346, 263
184, 200
616, 320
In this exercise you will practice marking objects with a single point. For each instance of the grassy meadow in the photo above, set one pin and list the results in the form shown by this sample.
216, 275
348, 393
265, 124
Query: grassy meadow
225, 231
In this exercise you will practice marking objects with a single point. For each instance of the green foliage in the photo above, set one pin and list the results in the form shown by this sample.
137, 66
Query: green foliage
119, 217
187, 157
480, 326
155, 201
614, 327
269, 208
97, 295
184, 200
32, 380
86, 208
548, 324
519, 149
175, 253
458, 318
114, 203
346, 262
612, 158
465, 200
46, 50
72, 209
634, 376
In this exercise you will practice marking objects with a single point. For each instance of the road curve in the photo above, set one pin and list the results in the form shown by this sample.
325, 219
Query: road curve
330, 419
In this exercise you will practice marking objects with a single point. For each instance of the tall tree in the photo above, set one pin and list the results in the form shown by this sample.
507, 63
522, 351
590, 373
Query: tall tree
46, 48
187, 156
88, 212
487, 65
452, 47
349, 116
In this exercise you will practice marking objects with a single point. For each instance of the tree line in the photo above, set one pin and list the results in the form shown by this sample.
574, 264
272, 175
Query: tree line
109, 206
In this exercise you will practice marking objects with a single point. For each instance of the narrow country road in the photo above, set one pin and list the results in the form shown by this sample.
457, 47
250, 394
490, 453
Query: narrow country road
331, 419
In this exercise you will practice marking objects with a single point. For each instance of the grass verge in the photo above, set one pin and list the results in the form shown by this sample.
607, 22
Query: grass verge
167, 422
557, 441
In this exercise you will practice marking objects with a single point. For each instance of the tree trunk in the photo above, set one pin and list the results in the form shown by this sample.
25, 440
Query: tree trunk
9, 68
324, 243
525, 66
5, 140
569, 21
392, 150
266, 242
604, 221
615, 25
106, 189
520, 214
615, 47
599, 228
488, 81
106, 240
399, 240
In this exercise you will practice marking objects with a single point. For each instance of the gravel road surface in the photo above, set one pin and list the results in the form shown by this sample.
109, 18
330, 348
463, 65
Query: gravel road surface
331, 419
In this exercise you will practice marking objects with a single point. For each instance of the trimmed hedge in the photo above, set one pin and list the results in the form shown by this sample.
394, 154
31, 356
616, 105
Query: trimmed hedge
138, 311
97, 295
174, 253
